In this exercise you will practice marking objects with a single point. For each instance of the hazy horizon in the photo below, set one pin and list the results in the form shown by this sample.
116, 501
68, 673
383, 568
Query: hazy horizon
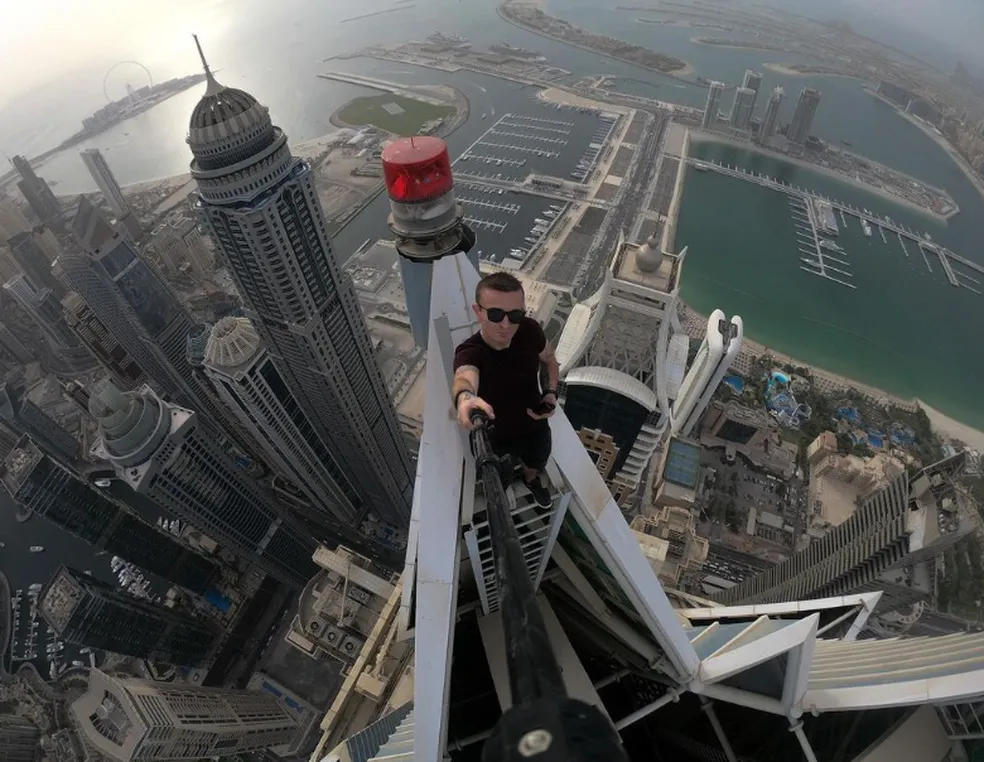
81, 42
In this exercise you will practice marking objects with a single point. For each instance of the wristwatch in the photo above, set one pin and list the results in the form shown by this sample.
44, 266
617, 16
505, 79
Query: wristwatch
548, 391
457, 397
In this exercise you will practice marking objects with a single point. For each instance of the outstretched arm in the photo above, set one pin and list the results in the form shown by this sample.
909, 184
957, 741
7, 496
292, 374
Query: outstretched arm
548, 362
464, 393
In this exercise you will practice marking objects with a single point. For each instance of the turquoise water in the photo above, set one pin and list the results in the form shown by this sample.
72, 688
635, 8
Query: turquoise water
904, 329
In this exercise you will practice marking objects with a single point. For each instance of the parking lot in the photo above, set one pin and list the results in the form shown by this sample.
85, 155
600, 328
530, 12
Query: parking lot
738, 488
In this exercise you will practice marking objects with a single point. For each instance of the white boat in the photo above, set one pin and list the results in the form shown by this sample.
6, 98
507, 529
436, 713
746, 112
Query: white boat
866, 227
36, 548
830, 245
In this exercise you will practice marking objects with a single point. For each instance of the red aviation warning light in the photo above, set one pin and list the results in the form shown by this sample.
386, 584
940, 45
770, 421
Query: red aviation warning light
426, 221
417, 169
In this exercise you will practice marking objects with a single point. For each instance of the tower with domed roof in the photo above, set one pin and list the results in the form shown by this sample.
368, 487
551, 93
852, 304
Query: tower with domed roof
262, 210
246, 378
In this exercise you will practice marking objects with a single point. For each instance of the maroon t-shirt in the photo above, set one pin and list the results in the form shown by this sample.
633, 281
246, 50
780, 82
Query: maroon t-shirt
508, 379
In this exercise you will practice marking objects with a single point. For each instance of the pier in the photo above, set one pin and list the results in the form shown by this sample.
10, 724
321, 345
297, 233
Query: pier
817, 259
902, 244
805, 196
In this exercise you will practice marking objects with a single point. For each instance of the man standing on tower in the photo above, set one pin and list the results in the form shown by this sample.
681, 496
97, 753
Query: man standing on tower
497, 371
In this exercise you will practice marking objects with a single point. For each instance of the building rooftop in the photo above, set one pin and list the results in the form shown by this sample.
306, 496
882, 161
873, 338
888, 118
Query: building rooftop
682, 463
233, 343
645, 265
90, 227
19, 464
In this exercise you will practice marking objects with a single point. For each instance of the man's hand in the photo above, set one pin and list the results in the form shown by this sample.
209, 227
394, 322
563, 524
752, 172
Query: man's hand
466, 405
547, 399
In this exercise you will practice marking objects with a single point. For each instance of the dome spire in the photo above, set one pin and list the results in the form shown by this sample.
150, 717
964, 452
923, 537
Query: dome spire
213, 86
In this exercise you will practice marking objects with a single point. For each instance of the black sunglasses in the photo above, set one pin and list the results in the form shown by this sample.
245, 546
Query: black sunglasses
497, 314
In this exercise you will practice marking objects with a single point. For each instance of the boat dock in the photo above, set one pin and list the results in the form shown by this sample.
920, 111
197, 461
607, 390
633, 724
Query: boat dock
902, 244
816, 258
802, 201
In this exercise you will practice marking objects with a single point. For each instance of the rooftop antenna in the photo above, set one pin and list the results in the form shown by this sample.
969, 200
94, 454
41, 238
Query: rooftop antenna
213, 86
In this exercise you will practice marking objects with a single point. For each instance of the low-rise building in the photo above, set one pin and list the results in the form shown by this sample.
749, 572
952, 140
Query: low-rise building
750, 432
680, 551
679, 470
340, 606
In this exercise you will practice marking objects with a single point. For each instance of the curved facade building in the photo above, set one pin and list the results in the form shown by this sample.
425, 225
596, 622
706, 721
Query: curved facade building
718, 350
261, 208
161, 451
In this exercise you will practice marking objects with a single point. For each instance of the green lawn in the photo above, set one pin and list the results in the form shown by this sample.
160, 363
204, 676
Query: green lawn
409, 117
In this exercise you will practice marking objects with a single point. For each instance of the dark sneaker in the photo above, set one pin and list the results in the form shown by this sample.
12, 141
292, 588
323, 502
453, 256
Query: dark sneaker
541, 495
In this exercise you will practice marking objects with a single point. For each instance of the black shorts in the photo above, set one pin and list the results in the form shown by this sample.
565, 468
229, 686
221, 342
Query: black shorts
531, 447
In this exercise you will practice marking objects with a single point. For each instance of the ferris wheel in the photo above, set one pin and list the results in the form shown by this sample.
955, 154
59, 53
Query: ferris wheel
141, 77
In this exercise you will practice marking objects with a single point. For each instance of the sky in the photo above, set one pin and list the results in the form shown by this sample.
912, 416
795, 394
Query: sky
76, 41
43, 41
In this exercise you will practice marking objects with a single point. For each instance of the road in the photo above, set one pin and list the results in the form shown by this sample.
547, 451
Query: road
733, 565
628, 204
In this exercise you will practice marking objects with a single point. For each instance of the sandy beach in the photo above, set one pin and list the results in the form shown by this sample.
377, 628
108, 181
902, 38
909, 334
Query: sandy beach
948, 428
828, 382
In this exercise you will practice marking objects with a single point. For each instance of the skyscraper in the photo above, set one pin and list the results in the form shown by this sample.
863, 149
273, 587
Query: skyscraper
12, 220
37, 193
95, 162
144, 316
87, 612
753, 81
162, 451
262, 209
32, 262
718, 350
45, 308
52, 491
92, 332
129, 719
24, 417
741, 111
714, 92
248, 381
182, 243
806, 109
770, 122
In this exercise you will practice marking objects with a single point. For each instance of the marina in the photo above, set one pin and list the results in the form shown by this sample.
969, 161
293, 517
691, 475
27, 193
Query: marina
818, 255
813, 216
